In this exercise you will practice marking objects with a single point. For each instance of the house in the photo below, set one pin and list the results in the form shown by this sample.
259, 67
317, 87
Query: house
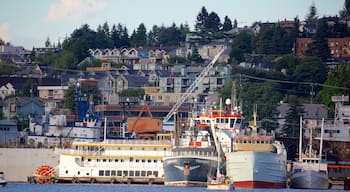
52, 92
22, 108
6, 90
20, 84
311, 111
124, 82
339, 47
209, 51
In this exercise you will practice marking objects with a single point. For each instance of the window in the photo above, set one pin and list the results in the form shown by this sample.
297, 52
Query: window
137, 173
107, 173
155, 173
101, 173
131, 173
143, 173
125, 173
119, 173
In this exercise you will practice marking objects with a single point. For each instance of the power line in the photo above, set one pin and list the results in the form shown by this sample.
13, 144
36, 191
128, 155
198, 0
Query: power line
294, 82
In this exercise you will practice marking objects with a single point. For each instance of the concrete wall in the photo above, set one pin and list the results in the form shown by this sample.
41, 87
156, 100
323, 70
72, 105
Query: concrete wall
19, 163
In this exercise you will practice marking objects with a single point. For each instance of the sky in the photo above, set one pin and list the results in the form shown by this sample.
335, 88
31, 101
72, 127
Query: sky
29, 23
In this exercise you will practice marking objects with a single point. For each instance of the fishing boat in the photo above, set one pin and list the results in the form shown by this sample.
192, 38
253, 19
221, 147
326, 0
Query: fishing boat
123, 161
309, 172
193, 158
221, 181
3, 181
257, 160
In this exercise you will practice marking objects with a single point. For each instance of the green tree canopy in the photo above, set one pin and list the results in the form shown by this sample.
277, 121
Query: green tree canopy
139, 37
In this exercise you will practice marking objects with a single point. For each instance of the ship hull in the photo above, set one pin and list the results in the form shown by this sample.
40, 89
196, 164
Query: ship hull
188, 171
309, 179
251, 169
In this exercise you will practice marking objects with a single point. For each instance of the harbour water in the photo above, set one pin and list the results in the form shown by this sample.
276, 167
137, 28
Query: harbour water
20, 187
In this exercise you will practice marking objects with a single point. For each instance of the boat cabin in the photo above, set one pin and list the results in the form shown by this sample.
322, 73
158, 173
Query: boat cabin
254, 143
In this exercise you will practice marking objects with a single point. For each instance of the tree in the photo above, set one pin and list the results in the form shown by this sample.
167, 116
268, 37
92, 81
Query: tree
325, 94
213, 23
201, 20
346, 10
288, 63
195, 56
319, 46
47, 42
132, 93
312, 15
241, 46
139, 37
292, 123
227, 24
264, 41
235, 23
153, 36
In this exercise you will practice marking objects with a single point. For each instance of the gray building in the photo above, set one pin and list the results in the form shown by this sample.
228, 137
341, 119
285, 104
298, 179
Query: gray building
8, 133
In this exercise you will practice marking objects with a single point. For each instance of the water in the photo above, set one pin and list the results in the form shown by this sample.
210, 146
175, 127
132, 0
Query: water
24, 187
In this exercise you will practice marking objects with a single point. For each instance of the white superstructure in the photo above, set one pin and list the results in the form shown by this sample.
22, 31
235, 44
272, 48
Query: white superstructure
131, 161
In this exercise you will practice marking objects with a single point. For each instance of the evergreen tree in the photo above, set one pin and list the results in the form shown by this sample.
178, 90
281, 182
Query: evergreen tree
115, 36
47, 42
227, 24
153, 36
312, 15
292, 123
201, 20
319, 45
235, 24
241, 46
213, 22
195, 56
346, 10
139, 37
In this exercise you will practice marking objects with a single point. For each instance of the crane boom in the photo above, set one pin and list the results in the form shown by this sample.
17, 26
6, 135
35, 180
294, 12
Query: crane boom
193, 86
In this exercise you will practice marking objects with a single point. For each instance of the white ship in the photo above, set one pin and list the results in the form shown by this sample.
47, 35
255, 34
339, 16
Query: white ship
62, 133
122, 161
257, 161
57, 131
309, 172
3, 181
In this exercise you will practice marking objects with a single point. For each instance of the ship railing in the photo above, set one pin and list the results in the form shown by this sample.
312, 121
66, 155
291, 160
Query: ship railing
139, 141
195, 153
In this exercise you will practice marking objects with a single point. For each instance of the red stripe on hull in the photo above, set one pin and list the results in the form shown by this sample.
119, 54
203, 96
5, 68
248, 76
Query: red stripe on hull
258, 184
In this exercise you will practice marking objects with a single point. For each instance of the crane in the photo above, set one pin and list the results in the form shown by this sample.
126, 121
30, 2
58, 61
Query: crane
191, 88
